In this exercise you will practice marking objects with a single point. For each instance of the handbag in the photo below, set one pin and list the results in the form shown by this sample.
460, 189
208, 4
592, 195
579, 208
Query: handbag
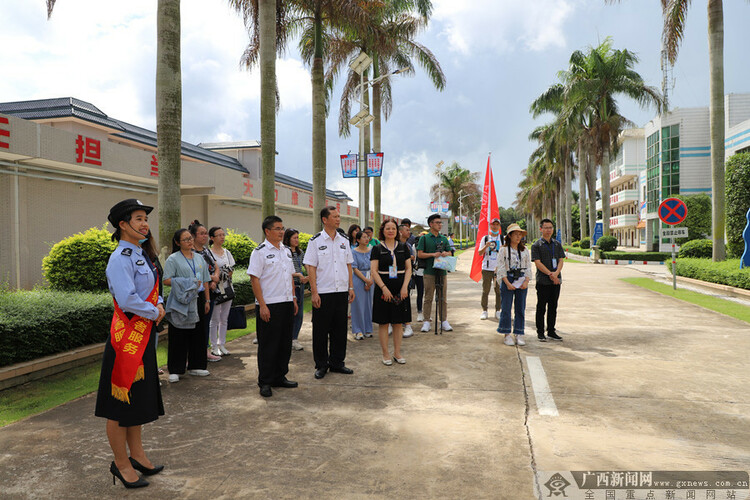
223, 293
445, 263
237, 319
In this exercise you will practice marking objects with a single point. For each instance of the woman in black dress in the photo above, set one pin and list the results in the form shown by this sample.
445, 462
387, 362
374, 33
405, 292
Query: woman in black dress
129, 394
390, 264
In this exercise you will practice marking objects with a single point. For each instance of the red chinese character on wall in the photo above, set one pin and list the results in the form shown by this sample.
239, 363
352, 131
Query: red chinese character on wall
357, 212
154, 166
275, 195
338, 207
248, 188
348, 210
311, 204
295, 198
88, 151
4, 132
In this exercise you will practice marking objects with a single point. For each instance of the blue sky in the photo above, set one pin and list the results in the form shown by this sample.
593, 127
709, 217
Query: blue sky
498, 55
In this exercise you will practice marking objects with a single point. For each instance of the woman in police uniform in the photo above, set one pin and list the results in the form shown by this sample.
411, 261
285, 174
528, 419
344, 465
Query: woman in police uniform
129, 394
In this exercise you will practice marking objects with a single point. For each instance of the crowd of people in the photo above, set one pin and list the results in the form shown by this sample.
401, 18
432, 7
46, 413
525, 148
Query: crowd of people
350, 274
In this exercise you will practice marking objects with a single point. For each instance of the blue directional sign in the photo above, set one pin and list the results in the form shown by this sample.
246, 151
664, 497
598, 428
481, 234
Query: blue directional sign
598, 232
559, 235
672, 211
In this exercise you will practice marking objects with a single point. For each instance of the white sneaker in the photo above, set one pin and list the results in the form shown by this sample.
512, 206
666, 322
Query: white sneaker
255, 340
223, 350
426, 326
420, 317
173, 377
509, 339
199, 373
497, 314
484, 315
447, 326
216, 352
408, 332
296, 345
520, 340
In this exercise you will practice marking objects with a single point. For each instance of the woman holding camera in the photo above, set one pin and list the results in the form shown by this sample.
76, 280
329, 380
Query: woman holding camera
224, 292
514, 270
390, 266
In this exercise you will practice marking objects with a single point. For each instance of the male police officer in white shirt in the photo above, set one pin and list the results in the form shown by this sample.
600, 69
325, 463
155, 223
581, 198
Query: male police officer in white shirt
328, 260
271, 271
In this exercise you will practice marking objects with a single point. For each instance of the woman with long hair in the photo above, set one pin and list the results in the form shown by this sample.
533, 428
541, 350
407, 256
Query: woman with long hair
129, 394
225, 265
362, 281
391, 270
291, 241
514, 270
353, 229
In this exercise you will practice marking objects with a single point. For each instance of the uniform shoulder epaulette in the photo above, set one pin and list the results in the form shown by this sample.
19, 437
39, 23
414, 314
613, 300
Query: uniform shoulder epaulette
262, 245
127, 252
316, 235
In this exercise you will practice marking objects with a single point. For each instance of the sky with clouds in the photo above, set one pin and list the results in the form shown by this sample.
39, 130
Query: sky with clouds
497, 55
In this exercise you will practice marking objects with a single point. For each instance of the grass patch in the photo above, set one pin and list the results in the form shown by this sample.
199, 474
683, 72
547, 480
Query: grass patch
727, 307
41, 395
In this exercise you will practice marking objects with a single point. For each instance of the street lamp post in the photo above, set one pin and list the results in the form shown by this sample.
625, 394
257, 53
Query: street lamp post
460, 219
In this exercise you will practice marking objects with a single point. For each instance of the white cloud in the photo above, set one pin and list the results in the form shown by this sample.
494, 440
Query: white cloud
502, 25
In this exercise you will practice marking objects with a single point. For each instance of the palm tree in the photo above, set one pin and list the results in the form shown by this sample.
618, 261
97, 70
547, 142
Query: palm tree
168, 116
454, 182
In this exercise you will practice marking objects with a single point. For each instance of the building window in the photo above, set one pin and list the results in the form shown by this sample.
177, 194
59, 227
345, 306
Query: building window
670, 161
652, 172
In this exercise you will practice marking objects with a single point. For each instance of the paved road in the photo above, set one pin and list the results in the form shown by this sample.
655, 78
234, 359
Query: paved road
641, 382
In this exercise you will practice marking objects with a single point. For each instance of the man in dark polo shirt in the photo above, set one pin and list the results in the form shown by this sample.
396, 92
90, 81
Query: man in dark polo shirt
548, 256
431, 245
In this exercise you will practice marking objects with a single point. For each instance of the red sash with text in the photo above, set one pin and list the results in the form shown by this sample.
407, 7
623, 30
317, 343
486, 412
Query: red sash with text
129, 338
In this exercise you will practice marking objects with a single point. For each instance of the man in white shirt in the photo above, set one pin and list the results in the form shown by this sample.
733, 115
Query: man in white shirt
489, 247
328, 260
270, 271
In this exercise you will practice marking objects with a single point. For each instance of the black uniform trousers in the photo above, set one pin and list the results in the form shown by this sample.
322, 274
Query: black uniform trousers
546, 301
330, 324
275, 343
188, 343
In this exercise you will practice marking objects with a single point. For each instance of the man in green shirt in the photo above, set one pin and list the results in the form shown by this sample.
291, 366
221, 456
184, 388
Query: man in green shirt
371, 233
431, 245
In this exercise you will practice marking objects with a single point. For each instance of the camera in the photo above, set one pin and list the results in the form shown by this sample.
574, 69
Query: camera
514, 274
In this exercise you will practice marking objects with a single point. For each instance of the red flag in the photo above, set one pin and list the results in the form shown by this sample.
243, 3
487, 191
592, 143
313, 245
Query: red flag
489, 211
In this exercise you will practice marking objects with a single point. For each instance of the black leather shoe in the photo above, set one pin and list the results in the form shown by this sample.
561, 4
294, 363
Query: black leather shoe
289, 384
145, 470
541, 337
116, 474
343, 369
554, 336
320, 373
265, 391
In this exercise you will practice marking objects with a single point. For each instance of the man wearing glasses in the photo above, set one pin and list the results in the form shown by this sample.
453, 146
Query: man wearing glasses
431, 245
270, 271
328, 260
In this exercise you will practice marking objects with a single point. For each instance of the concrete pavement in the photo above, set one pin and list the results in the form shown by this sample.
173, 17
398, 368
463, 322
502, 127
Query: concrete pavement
641, 382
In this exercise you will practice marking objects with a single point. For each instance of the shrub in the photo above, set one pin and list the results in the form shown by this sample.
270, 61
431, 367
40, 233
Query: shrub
40, 323
79, 262
240, 245
577, 244
607, 243
578, 251
243, 288
737, 202
586, 242
698, 219
701, 249
637, 256
304, 238
727, 272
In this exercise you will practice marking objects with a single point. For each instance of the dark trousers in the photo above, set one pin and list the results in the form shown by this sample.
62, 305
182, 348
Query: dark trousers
188, 343
330, 324
299, 291
419, 285
546, 300
207, 323
275, 343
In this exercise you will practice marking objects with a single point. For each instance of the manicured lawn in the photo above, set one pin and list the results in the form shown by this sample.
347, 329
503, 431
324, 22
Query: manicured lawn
41, 395
722, 306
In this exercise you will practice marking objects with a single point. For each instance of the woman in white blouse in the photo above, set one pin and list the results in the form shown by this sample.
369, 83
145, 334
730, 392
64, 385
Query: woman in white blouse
225, 263
514, 272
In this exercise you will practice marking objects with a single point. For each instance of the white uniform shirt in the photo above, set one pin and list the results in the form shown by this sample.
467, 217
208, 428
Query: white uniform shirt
489, 260
273, 267
330, 258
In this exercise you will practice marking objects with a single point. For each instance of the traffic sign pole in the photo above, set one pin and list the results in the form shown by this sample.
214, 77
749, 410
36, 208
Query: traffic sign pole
672, 211
674, 267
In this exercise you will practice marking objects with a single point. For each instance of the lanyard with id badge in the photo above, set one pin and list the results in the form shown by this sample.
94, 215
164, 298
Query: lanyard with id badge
393, 268
552, 254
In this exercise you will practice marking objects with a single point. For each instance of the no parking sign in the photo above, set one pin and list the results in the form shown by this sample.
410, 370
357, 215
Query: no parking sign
672, 211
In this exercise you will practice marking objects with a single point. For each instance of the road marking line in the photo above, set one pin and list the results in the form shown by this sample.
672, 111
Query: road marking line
544, 402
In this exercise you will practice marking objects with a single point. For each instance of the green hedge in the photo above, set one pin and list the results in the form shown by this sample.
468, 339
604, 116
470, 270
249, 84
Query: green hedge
637, 256
578, 251
737, 201
701, 249
727, 272
243, 288
607, 243
78, 263
240, 245
34, 324
586, 242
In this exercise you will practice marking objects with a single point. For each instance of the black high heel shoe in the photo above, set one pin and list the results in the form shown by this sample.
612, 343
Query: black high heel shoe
149, 472
116, 474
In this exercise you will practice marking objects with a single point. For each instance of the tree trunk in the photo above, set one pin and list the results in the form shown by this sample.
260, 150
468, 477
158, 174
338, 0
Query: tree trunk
582, 196
168, 120
318, 126
376, 136
591, 178
568, 200
365, 204
606, 211
716, 113
267, 22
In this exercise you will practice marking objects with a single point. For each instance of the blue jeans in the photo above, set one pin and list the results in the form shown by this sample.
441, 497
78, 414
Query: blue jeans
299, 291
506, 303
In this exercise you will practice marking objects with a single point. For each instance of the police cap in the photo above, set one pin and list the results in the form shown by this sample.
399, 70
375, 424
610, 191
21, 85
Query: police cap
122, 209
